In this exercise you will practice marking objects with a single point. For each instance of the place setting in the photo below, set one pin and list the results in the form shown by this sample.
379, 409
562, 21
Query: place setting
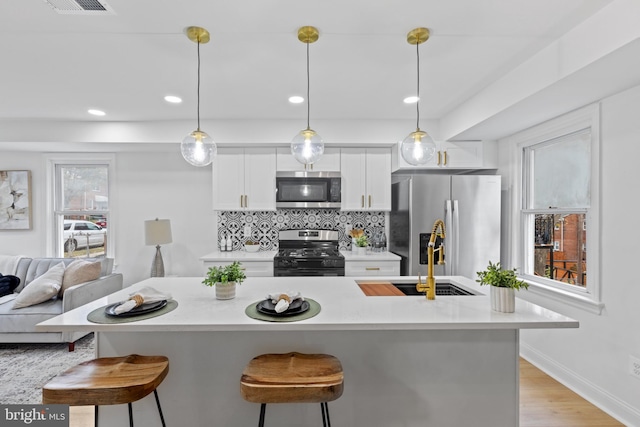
283, 307
143, 304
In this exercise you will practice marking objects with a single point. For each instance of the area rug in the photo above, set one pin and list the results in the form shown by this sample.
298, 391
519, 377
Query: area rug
25, 368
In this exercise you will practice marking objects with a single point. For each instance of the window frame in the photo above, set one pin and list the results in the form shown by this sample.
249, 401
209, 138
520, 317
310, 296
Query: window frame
54, 227
588, 298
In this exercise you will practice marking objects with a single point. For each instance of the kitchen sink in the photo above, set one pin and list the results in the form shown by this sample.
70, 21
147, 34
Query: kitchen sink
441, 289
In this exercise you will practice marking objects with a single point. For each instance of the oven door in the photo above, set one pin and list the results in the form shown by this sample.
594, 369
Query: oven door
308, 190
280, 272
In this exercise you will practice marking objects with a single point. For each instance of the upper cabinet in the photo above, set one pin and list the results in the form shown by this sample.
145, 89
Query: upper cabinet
366, 179
454, 155
244, 179
328, 162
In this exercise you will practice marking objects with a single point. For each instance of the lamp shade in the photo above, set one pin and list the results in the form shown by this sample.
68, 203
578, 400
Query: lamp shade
157, 232
418, 148
307, 146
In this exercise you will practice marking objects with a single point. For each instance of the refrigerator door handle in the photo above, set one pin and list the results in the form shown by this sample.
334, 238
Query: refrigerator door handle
456, 234
450, 245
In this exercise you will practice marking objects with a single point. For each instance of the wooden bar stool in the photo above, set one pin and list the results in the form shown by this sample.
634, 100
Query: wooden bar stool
293, 378
108, 381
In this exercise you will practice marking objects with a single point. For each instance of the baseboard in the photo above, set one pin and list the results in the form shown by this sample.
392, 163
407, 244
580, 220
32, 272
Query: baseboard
599, 397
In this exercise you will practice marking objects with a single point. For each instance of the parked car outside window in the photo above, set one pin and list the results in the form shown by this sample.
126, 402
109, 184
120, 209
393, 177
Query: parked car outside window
81, 234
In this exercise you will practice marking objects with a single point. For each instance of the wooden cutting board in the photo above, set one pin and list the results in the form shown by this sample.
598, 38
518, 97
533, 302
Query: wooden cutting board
379, 289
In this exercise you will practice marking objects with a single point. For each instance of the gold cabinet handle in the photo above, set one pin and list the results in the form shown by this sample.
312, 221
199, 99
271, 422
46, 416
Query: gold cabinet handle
445, 158
241, 201
362, 201
439, 158
372, 268
246, 201
369, 200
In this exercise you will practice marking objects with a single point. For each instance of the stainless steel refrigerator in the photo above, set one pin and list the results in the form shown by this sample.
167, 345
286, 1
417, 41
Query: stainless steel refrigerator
469, 205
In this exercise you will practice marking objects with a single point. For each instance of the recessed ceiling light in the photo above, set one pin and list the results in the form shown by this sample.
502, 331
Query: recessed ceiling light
173, 99
411, 99
296, 99
97, 112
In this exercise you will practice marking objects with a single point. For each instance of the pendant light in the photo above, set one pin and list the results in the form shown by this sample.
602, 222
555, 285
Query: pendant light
418, 148
198, 148
307, 146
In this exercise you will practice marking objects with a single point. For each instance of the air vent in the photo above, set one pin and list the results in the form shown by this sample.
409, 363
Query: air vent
81, 7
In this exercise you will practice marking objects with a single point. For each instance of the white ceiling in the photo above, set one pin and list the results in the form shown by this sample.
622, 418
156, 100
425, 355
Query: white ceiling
55, 67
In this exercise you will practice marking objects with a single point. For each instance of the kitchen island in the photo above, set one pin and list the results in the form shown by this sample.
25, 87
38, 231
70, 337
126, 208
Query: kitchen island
407, 361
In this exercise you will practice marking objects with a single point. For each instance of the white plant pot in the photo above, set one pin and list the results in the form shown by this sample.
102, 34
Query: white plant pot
503, 299
357, 250
226, 290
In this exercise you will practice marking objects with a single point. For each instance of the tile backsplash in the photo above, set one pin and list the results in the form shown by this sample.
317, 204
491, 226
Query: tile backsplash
265, 225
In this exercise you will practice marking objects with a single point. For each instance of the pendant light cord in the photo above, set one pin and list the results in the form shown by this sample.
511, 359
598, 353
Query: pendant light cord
198, 84
418, 86
308, 84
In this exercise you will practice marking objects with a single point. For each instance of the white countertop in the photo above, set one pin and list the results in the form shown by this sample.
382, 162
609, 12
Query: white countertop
344, 307
370, 256
239, 256
268, 256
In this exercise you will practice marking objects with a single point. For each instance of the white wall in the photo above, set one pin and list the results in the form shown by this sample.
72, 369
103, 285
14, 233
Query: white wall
162, 185
594, 359
147, 185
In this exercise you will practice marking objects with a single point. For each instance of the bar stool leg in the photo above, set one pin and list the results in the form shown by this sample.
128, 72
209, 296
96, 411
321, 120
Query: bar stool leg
95, 416
263, 407
159, 408
130, 414
325, 409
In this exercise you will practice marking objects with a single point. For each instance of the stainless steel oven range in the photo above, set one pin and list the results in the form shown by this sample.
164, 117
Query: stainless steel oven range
308, 253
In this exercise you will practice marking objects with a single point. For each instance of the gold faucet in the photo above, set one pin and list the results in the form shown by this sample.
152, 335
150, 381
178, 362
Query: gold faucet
430, 286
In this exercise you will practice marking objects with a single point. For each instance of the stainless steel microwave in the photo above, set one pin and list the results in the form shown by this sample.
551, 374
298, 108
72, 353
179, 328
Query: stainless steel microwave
308, 190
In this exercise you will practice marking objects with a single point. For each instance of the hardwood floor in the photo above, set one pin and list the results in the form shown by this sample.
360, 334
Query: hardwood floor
544, 402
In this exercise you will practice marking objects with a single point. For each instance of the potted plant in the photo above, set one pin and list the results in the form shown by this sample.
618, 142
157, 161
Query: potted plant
503, 284
224, 278
361, 244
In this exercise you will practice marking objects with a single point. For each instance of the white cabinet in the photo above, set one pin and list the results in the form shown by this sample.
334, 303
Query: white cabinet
372, 268
453, 155
366, 179
251, 268
328, 162
244, 179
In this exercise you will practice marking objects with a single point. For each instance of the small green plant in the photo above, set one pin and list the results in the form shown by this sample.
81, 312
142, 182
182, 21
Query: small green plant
496, 276
362, 241
225, 274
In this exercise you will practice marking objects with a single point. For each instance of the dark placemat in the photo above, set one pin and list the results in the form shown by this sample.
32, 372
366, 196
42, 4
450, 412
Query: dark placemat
314, 309
99, 316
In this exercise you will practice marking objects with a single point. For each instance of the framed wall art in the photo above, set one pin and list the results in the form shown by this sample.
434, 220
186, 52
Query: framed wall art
15, 200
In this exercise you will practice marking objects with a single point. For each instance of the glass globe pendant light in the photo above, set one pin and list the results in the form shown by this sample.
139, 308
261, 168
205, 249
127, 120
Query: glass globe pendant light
198, 147
307, 146
418, 148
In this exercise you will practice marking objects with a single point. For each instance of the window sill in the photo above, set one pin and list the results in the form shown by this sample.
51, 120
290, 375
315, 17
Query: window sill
539, 291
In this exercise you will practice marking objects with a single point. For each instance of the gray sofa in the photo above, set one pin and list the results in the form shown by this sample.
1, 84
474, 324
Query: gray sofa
18, 325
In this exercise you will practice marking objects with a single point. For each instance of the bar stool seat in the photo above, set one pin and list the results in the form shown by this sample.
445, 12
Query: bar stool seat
293, 378
108, 381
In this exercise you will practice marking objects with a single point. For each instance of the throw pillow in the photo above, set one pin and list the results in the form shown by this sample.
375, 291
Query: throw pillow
80, 271
8, 284
42, 288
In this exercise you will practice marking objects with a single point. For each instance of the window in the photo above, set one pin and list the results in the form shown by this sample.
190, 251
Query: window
79, 197
558, 167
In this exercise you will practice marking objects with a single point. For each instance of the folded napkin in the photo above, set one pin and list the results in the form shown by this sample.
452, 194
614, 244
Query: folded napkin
283, 300
142, 296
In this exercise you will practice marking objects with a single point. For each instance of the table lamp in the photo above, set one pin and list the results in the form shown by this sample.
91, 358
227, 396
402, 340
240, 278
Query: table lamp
157, 232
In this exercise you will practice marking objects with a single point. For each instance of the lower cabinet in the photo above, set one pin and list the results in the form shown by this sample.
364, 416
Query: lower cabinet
251, 268
372, 268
